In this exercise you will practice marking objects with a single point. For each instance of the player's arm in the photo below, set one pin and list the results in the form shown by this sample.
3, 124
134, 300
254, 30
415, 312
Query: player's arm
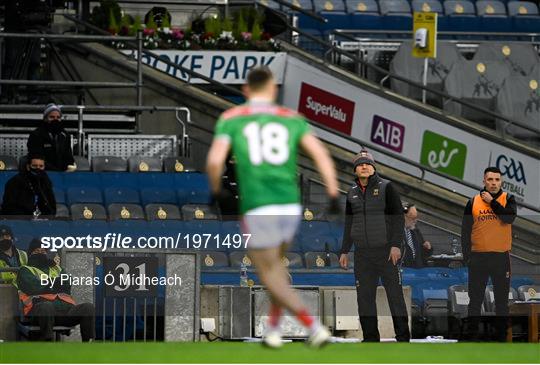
324, 163
215, 161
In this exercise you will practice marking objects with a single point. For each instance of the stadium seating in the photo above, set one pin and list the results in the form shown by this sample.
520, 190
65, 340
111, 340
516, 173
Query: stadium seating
88, 211
144, 164
412, 68
519, 99
8, 163
162, 211
214, 260
521, 58
489, 299
125, 211
321, 260
478, 83
529, 292
108, 163
82, 163
84, 195
62, 211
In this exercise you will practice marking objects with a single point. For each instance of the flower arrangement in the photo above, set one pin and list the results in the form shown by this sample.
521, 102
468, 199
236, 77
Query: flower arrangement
242, 31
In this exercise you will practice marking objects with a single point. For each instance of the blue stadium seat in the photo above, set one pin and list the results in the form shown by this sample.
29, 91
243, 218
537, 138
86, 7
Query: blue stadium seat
236, 258
82, 179
84, 195
119, 179
158, 195
89, 227
321, 260
198, 196
8, 163
168, 228
131, 228
190, 180
88, 211
59, 195
427, 6
524, 16
22, 241
292, 260
214, 260
121, 195
40, 228
313, 228
493, 16
319, 243
125, 211
155, 180
460, 16
57, 179
162, 211
303, 4
5, 176
333, 11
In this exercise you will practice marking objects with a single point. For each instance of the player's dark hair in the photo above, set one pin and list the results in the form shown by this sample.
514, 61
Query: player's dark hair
258, 77
407, 207
492, 169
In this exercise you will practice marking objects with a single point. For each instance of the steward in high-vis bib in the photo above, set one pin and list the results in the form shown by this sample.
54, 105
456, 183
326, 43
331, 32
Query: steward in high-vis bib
10, 256
48, 302
486, 238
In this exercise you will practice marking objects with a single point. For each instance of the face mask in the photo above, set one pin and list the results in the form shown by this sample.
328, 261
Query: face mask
5, 244
36, 172
38, 260
54, 127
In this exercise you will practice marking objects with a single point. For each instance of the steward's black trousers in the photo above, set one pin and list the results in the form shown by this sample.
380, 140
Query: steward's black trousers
482, 266
369, 266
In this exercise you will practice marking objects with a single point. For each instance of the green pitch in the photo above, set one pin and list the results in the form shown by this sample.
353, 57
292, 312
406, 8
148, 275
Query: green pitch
237, 352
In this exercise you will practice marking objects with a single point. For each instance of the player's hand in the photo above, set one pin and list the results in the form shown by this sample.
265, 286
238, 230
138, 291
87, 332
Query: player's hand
486, 197
395, 255
334, 206
344, 261
427, 245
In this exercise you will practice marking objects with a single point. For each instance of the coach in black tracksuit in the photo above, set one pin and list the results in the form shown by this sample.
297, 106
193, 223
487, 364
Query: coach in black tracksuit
374, 224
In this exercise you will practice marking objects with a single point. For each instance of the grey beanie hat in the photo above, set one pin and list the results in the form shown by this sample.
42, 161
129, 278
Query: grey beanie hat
51, 108
363, 157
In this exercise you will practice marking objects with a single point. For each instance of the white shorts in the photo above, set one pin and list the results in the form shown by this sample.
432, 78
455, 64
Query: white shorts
271, 225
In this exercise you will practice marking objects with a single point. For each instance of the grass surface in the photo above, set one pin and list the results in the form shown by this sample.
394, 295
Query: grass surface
237, 352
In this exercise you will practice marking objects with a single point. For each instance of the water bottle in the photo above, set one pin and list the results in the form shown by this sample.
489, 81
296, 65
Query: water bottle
243, 275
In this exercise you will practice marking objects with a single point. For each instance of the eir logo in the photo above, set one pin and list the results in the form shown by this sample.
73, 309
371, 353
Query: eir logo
511, 168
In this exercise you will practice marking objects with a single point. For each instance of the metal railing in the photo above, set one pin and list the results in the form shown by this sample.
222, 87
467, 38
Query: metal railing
423, 169
179, 111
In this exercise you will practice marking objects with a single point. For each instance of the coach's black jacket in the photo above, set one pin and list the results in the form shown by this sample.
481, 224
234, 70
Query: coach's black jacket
374, 218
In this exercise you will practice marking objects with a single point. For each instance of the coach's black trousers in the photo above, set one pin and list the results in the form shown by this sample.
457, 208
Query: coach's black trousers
369, 266
482, 266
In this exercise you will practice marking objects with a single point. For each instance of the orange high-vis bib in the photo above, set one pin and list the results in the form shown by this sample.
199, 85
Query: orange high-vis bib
489, 232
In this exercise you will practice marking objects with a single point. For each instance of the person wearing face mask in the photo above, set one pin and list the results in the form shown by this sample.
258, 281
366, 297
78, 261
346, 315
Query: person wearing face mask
29, 193
51, 141
10, 256
486, 239
374, 224
416, 249
49, 305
